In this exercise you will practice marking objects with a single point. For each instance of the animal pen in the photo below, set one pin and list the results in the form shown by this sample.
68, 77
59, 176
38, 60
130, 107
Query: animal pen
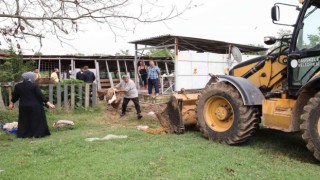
107, 69
194, 58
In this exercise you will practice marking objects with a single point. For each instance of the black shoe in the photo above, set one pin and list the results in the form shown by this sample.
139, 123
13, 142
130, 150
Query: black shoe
122, 114
139, 116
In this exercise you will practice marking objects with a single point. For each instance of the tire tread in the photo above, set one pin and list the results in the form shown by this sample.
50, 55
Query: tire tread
248, 121
312, 104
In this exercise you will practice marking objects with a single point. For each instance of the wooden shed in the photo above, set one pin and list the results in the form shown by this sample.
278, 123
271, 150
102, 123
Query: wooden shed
108, 69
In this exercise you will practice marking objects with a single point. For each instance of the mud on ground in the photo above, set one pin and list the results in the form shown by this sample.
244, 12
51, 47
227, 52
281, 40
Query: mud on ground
113, 120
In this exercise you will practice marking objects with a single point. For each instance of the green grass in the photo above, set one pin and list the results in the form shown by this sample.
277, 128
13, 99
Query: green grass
65, 154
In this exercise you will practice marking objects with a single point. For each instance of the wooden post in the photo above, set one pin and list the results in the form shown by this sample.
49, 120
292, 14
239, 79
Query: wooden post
161, 82
94, 95
2, 106
111, 80
65, 97
73, 72
87, 96
107, 65
176, 58
72, 97
72, 65
119, 71
109, 74
51, 93
39, 62
167, 69
125, 65
136, 79
169, 79
58, 96
97, 73
80, 94
60, 78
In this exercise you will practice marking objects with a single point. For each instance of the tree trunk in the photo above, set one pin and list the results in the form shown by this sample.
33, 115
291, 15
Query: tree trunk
2, 106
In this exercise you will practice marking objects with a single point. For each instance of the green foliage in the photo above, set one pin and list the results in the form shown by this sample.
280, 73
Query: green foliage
71, 81
38, 53
123, 53
101, 54
314, 39
13, 67
76, 54
45, 91
78, 98
160, 53
4, 51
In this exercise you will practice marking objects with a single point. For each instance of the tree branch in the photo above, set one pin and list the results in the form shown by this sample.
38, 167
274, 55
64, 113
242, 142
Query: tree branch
36, 18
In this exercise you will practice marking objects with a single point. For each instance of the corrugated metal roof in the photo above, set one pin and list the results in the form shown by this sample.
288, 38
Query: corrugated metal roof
196, 44
62, 57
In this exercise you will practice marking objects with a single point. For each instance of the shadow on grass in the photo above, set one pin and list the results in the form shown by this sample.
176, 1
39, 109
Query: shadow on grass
281, 144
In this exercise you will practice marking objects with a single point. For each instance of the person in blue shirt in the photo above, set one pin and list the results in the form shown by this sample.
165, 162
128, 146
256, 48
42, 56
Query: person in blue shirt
153, 78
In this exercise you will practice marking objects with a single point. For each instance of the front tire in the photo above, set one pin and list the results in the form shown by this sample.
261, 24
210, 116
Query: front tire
310, 125
223, 117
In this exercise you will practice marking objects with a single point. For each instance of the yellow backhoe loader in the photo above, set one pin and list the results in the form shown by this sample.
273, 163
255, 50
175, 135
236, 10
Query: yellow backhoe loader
280, 90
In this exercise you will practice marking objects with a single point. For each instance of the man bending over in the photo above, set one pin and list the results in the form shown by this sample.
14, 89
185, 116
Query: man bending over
130, 93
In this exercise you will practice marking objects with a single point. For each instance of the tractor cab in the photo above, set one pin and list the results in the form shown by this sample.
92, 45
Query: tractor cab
304, 53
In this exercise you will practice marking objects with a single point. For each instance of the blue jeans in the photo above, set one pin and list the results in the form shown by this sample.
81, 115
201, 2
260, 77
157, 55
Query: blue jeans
153, 83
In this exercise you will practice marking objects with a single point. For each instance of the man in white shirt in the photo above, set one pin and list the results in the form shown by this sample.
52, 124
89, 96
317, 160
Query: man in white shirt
128, 87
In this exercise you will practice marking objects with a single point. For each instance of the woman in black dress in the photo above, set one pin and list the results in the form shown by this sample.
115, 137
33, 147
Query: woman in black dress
32, 118
143, 74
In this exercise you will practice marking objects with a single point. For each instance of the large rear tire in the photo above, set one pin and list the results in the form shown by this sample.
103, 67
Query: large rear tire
310, 125
223, 117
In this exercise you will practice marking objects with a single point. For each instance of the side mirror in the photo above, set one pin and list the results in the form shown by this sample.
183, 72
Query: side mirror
270, 40
275, 13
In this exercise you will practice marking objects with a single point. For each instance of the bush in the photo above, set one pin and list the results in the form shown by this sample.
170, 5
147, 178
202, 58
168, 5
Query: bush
45, 91
72, 81
13, 67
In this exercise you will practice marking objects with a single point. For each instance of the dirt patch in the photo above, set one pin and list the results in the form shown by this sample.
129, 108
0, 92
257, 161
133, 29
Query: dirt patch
113, 120
146, 108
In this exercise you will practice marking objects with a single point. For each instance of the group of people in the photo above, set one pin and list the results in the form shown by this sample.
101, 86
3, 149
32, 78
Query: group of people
148, 75
85, 75
54, 75
32, 119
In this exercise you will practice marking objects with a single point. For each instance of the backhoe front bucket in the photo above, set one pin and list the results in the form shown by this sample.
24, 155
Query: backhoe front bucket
179, 113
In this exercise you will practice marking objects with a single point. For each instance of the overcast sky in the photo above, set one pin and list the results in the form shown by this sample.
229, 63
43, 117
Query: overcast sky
237, 21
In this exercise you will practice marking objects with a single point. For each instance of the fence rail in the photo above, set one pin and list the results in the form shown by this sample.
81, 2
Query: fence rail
65, 96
